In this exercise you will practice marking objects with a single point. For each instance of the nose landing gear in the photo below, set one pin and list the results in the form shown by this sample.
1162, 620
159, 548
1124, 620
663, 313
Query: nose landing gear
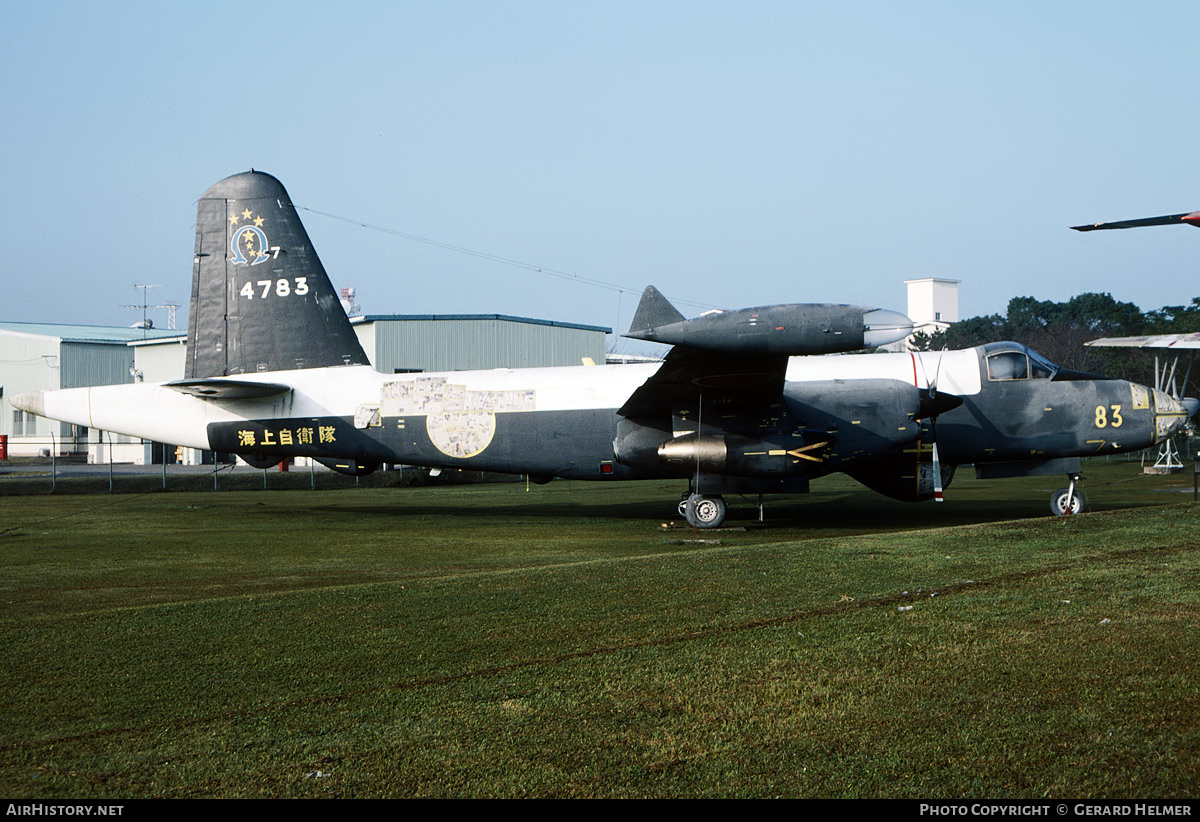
1066, 501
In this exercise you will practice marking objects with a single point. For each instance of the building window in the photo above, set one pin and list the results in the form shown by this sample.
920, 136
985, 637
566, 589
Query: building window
18, 426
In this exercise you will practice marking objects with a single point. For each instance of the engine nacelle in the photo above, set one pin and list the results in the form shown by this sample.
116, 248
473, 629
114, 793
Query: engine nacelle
907, 481
736, 455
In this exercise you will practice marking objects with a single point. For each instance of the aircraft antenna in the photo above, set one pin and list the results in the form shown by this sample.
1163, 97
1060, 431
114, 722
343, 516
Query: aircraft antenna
145, 306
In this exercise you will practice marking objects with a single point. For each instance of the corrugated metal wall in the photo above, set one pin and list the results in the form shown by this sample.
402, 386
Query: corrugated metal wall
90, 363
454, 344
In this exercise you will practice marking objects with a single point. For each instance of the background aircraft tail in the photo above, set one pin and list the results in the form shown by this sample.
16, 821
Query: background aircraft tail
261, 300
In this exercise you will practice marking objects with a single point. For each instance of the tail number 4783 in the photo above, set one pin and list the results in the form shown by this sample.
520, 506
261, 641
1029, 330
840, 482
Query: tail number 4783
280, 288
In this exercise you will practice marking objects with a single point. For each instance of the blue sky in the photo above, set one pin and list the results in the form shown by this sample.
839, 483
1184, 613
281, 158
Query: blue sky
732, 154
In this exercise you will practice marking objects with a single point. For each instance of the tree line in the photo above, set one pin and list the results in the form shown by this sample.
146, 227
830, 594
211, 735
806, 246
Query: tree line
1058, 331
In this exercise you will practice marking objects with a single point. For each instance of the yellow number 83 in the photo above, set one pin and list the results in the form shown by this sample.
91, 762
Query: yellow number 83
1102, 417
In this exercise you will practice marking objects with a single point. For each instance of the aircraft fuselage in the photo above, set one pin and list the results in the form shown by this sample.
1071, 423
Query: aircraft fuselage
743, 401
853, 413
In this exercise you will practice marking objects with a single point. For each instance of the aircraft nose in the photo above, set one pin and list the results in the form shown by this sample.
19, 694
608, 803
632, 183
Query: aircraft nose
1172, 414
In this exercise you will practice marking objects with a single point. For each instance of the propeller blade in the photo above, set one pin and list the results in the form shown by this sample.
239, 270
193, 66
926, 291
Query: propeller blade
937, 475
930, 405
932, 402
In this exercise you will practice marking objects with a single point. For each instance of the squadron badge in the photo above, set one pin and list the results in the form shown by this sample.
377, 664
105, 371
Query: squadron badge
248, 244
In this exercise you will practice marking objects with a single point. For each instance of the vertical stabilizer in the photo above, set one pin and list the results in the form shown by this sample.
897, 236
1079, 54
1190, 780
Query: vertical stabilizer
261, 300
653, 311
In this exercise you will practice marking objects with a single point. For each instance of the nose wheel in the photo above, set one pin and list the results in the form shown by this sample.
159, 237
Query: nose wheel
1066, 501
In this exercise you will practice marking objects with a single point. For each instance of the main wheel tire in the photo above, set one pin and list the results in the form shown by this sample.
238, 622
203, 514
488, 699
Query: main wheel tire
705, 512
1063, 502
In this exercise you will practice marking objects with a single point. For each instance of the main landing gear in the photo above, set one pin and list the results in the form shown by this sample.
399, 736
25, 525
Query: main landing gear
703, 512
1066, 501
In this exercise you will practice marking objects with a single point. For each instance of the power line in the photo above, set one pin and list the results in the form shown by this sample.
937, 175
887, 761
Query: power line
496, 258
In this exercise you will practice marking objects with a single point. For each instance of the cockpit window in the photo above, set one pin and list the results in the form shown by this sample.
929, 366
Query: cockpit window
1043, 369
1008, 365
1013, 361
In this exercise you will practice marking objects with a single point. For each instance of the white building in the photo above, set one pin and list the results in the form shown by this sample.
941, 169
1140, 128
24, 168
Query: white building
49, 356
932, 303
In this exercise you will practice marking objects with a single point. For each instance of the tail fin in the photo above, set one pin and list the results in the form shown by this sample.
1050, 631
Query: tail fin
653, 311
261, 300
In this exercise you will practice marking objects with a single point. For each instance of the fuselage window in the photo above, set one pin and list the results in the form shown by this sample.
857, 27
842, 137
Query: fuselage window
1009, 365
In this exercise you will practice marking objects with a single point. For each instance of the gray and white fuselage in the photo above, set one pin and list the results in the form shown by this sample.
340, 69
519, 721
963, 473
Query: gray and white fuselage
522, 420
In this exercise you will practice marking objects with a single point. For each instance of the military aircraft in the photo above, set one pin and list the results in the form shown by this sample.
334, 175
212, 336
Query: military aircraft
741, 404
1191, 218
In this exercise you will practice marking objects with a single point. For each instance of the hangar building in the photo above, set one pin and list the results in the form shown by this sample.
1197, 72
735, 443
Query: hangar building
48, 356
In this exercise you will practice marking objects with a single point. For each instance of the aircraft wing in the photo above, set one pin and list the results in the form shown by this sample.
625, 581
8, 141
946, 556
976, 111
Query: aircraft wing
1191, 218
1191, 340
688, 373
740, 357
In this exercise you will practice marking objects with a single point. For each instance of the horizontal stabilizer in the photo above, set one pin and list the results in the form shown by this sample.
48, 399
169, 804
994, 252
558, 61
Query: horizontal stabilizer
1192, 218
218, 389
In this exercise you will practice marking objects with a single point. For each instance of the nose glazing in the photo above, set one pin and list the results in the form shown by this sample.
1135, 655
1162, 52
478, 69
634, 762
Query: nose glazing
1171, 414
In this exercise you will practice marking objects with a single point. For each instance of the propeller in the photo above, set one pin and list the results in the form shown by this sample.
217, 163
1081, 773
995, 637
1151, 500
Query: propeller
932, 404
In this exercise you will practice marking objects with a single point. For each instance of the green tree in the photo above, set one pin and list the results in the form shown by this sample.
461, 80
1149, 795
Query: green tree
922, 341
1175, 319
1059, 332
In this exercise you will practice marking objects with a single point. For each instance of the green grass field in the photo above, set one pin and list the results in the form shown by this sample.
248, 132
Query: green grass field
489, 641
